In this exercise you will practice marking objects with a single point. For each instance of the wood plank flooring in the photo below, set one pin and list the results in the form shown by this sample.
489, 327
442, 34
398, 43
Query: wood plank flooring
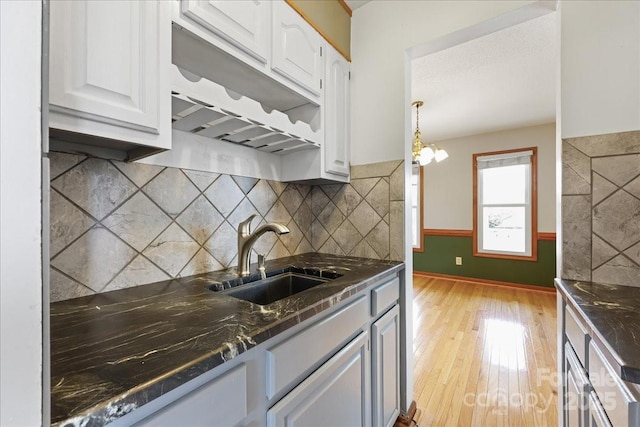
484, 355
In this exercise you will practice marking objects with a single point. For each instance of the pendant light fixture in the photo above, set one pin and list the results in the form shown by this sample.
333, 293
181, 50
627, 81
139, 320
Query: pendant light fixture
424, 153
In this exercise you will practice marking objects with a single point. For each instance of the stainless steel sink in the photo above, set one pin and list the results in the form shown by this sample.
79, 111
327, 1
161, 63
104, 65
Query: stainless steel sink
274, 288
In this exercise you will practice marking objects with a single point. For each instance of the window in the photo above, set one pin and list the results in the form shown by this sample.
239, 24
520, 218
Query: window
416, 208
505, 204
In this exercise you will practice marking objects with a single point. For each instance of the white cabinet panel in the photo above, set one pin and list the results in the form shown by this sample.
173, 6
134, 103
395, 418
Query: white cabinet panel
386, 368
285, 361
337, 394
244, 23
337, 113
576, 391
109, 67
296, 49
221, 402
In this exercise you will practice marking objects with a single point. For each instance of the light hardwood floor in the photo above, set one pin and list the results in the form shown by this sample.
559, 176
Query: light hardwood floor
484, 355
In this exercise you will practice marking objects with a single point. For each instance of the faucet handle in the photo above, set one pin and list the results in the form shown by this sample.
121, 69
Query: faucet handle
245, 226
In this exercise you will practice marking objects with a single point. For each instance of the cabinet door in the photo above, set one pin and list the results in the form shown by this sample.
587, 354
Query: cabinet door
576, 390
336, 109
221, 402
296, 49
336, 394
244, 23
109, 67
386, 368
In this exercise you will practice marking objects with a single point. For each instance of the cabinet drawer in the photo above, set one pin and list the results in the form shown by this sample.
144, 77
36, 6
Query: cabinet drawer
618, 400
223, 401
577, 335
292, 358
384, 296
337, 394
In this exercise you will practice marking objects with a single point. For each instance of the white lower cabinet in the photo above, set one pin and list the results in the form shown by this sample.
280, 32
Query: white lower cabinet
385, 336
336, 394
221, 402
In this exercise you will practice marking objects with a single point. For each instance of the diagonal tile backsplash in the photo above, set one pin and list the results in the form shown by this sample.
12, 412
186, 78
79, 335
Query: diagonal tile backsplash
601, 208
116, 225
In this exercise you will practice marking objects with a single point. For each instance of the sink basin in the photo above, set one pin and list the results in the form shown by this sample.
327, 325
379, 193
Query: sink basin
274, 288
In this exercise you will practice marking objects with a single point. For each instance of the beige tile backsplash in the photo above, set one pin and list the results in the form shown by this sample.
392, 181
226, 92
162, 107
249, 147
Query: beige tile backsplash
601, 208
116, 225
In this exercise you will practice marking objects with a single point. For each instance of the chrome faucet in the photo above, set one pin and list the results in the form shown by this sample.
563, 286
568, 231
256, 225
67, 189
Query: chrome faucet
246, 239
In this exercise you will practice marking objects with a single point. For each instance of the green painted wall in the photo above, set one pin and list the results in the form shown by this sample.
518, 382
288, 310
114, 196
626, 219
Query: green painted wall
440, 252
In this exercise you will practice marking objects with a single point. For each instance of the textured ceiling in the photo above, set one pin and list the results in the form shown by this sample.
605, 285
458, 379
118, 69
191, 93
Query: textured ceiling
499, 81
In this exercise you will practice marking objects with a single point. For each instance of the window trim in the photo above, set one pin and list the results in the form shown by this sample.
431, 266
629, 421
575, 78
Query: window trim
420, 247
534, 206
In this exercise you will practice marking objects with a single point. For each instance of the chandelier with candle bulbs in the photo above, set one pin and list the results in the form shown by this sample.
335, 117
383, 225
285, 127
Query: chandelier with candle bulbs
422, 153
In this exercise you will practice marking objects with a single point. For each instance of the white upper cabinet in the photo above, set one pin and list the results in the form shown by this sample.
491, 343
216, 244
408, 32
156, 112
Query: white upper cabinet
337, 113
297, 49
109, 69
244, 23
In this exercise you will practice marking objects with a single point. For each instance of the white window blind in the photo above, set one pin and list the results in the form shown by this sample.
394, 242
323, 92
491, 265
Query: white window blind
504, 203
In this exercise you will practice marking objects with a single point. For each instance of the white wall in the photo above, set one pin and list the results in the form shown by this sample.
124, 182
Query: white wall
20, 215
448, 185
381, 32
600, 51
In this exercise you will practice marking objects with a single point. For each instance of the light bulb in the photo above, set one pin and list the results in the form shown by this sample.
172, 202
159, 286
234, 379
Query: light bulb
426, 155
440, 155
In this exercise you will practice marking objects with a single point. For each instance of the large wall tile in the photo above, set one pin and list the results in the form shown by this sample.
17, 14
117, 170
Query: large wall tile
200, 219
619, 271
262, 197
576, 171
379, 198
617, 220
139, 173
347, 199
138, 272
62, 162
202, 262
601, 251
172, 250
201, 179
364, 218
63, 287
347, 236
576, 237
618, 169
600, 189
172, 191
138, 221
224, 194
96, 186
67, 222
364, 185
612, 144
94, 259
374, 169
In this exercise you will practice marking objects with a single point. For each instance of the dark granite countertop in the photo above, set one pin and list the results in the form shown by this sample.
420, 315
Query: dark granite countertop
612, 315
114, 352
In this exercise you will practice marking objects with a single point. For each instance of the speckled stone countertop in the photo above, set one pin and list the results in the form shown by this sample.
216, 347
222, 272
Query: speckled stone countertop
114, 352
612, 315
